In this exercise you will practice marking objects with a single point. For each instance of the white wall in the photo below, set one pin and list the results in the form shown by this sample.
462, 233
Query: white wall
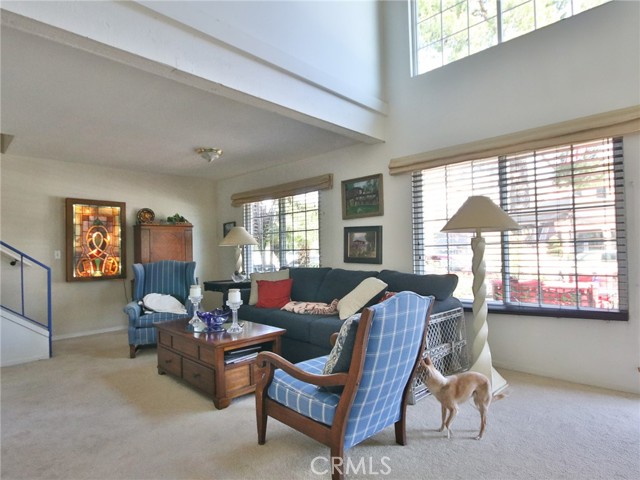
584, 65
33, 221
220, 46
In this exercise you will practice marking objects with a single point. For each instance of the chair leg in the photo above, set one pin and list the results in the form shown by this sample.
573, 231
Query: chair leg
401, 432
261, 417
132, 351
337, 462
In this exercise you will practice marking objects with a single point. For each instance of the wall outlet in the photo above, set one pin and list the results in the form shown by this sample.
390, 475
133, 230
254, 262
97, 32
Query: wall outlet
57, 255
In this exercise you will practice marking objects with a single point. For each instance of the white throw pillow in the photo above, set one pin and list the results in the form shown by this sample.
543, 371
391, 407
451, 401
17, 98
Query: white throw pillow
357, 298
270, 276
157, 302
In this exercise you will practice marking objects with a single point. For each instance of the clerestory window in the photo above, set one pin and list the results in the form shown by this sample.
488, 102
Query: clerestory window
447, 30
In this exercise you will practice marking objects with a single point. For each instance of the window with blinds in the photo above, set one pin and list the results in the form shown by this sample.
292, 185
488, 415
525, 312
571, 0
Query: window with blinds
287, 230
568, 259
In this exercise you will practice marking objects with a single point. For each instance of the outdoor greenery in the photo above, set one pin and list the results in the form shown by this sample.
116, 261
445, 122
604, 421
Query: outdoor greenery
287, 232
448, 30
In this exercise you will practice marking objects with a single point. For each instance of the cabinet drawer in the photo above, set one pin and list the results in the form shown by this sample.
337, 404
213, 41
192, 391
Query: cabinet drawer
239, 377
185, 346
199, 376
164, 338
169, 361
207, 355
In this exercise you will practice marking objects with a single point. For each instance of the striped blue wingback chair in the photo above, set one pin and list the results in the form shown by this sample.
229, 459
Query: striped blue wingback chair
376, 381
167, 277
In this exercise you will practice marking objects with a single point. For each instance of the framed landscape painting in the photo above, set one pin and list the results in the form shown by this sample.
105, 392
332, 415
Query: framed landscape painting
226, 228
363, 244
362, 197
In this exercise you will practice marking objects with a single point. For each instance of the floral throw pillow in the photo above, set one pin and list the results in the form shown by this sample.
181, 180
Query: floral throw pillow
312, 308
340, 357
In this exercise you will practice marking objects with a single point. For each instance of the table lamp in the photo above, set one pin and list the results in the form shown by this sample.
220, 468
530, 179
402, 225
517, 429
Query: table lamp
238, 237
476, 215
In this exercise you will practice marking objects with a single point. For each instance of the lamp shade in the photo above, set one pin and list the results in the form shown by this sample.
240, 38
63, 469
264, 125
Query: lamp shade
480, 214
238, 236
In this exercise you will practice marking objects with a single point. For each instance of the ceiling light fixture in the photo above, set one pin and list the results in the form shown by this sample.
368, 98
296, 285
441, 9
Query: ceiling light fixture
209, 154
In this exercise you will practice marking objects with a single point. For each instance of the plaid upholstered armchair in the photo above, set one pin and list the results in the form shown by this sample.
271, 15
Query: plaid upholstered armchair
167, 277
346, 397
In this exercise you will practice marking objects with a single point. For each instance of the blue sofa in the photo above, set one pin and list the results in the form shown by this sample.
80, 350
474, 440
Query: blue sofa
308, 335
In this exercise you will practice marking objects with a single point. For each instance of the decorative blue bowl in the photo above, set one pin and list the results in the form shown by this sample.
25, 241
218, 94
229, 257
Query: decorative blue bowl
215, 318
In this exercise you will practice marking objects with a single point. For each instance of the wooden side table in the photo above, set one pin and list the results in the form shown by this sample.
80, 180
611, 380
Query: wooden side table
199, 358
224, 286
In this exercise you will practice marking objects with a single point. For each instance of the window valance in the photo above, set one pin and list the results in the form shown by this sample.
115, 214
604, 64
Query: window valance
321, 182
608, 124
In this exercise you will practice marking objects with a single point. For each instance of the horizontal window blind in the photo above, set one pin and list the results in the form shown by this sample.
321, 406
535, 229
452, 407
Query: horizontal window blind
321, 182
609, 124
569, 256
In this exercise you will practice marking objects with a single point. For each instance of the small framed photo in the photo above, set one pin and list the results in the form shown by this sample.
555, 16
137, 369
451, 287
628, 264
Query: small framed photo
363, 244
362, 197
226, 228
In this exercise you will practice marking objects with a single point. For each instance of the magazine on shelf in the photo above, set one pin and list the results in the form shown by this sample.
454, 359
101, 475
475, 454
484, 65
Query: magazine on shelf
241, 355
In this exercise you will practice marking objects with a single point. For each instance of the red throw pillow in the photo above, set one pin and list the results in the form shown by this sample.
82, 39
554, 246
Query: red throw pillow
387, 295
274, 294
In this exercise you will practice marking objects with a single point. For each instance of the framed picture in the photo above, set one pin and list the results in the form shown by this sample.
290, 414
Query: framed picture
363, 244
226, 228
362, 197
95, 231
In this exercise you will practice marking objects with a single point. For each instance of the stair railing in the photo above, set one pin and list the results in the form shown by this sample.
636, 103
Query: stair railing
21, 257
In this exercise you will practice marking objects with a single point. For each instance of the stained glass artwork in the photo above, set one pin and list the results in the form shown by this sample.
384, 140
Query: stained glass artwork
96, 239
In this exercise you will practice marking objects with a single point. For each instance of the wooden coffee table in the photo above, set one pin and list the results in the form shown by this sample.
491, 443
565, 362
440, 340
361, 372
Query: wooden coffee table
199, 358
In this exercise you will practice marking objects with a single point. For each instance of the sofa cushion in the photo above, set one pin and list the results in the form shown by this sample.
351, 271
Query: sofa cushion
338, 282
147, 321
274, 294
297, 326
306, 283
304, 397
357, 298
321, 329
440, 286
273, 276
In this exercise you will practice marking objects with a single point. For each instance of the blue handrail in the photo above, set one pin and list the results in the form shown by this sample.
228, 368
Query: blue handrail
24, 256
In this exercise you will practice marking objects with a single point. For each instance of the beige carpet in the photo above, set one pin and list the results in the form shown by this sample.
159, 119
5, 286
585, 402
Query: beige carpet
93, 413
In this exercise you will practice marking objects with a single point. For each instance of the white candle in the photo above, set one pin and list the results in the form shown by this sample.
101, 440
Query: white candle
195, 291
234, 295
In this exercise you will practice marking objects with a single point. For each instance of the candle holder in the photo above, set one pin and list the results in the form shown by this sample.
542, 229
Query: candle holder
235, 327
198, 325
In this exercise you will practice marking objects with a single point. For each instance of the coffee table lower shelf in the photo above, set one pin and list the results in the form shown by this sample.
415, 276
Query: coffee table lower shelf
199, 358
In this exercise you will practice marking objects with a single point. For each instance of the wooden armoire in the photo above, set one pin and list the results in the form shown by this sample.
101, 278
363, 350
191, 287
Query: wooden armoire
153, 242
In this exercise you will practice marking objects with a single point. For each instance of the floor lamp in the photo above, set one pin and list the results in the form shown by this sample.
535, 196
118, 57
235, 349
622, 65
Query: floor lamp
238, 237
479, 214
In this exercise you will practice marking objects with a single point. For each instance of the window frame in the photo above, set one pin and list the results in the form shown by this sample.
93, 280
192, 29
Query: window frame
501, 306
415, 21
281, 213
